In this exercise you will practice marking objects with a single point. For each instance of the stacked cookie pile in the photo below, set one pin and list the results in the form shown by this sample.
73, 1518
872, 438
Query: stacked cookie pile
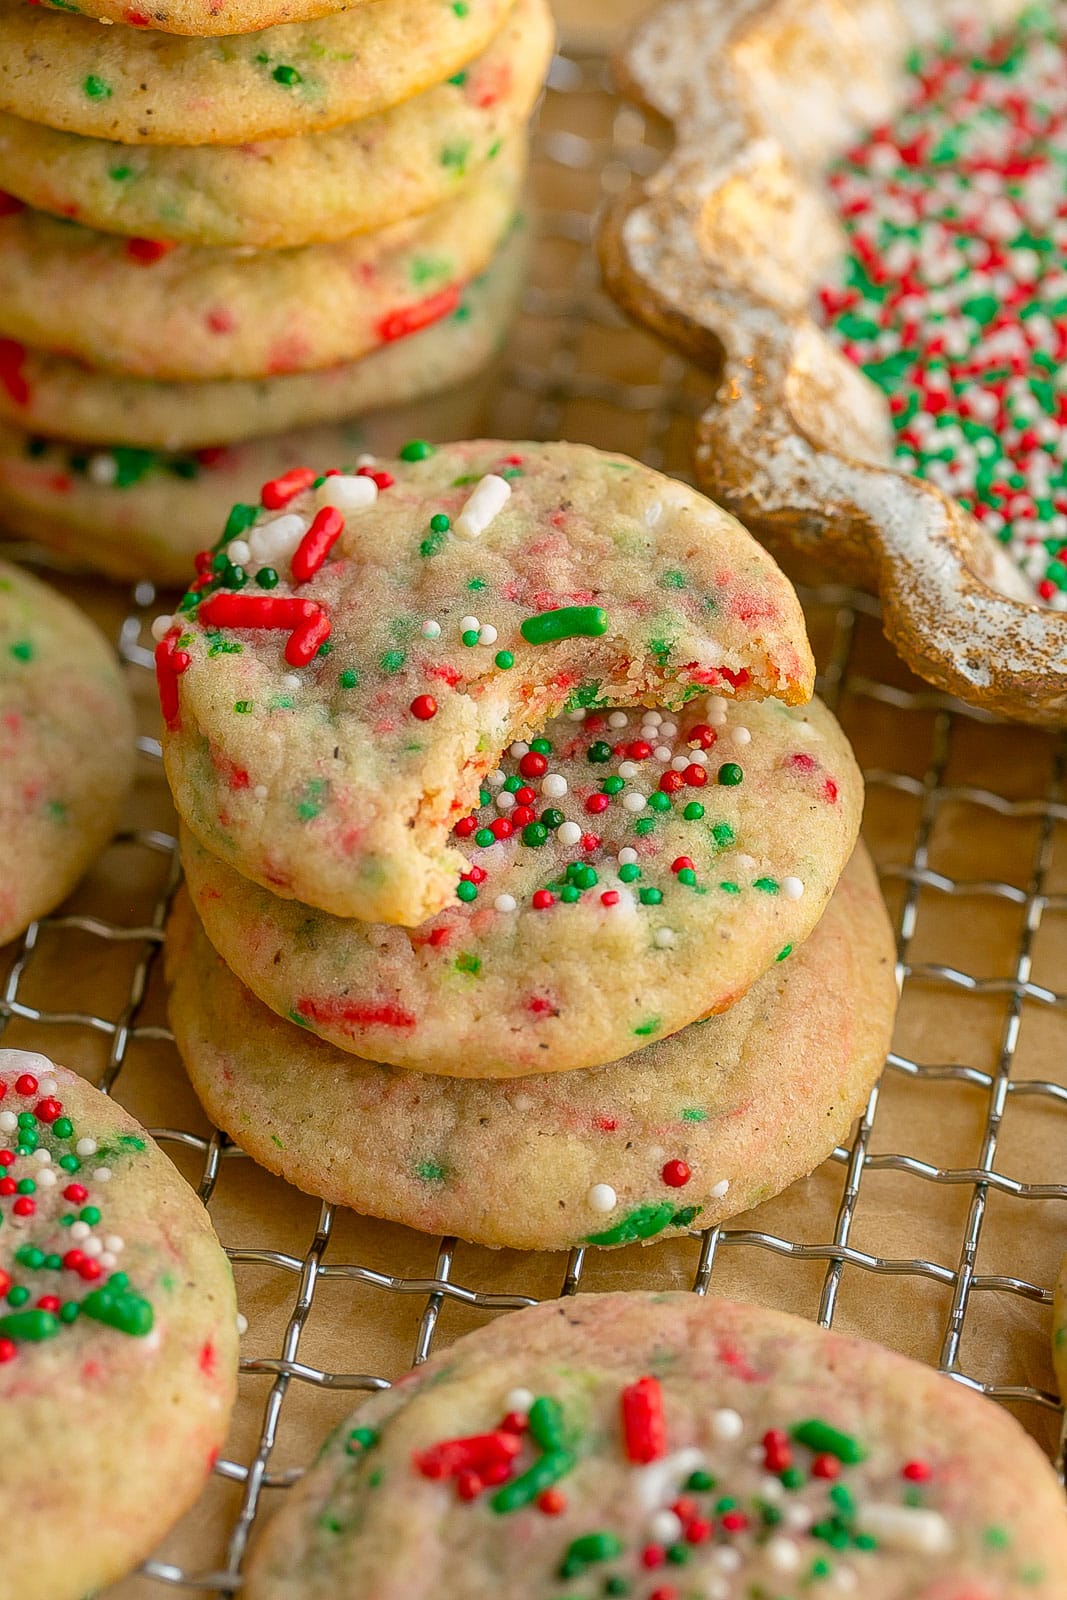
277, 229
498, 768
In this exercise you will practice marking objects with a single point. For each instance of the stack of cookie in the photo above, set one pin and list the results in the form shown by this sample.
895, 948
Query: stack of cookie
498, 768
278, 229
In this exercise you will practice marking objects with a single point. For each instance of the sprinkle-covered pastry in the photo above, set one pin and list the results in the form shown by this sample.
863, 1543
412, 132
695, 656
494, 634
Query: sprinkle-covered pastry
66, 747
306, 190
358, 651
670, 1447
118, 1336
42, 394
147, 87
624, 874
953, 293
683, 1134
138, 307
205, 18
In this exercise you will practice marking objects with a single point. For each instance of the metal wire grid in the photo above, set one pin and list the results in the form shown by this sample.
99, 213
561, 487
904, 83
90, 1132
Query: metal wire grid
549, 388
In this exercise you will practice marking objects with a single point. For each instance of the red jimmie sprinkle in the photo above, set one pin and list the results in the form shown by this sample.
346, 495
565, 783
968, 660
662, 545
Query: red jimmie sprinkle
643, 1424
13, 380
170, 664
10, 205
279, 491
146, 252
409, 319
477, 1453
315, 546
308, 624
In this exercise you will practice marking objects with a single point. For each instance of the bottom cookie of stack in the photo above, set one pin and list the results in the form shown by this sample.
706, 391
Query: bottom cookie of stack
701, 1125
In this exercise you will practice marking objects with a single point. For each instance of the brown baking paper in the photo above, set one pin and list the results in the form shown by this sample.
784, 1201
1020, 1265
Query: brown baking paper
577, 372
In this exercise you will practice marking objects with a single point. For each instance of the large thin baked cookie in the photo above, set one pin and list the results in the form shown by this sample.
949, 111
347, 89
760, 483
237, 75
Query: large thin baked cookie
724, 252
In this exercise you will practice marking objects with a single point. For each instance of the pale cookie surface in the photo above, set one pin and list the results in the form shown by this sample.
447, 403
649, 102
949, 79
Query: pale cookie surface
146, 87
66, 747
1059, 1330
686, 1133
486, 587
669, 1446
118, 1336
207, 18
43, 394
283, 193
580, 934
142, 514
194, 313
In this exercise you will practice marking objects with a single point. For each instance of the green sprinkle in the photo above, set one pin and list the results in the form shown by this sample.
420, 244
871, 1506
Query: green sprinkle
650, 897
672, 579
546, 1423
598, 752
543, 747
723, 834
613, 785
504, 659
700, 1482
241, 518
824, 1439
658, 801
288, 77
534, 834
730, 774
267, 578
430, 1171
466, 890
420, 449
644, 825
786, 950
359, 1440
542, 1475
392, 660
792, 1478
767, 885
440, 523
22, 650
242, 706
484, 838
34, 1326
693, 812
118, 1308
96, 88
470, 638
646, 1028
349, 678
553, 818
568, 622
629, 872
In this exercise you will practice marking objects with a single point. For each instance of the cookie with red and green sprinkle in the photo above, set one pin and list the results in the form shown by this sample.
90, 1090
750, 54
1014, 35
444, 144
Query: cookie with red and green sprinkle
52, 396
213, 19
147, 87
1059, 1330
118, 1336
306, 190
358, 650
141, 513
66, 747
625, 874
952, 295
669, 1447
138, 307
686, 1133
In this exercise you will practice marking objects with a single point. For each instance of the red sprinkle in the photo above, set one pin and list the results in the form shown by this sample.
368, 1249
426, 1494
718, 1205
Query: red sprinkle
652, 1556
47, 1110
825, 1466
542, 899
917, 1471
533, 764
643, 1423
501, 828
170, 664
146, 252
702, 735
735, 1521
7, 1350
676, 1174
610, 897
24, 1206
10, 205
597, 802
383, 480
777, 1452
522, 815
698, 1529
681, 863
315, 546
551, 1502
465, 827
424, 706
409, 319
671, 782
695, 775
26, 1084
279, 491
639, 750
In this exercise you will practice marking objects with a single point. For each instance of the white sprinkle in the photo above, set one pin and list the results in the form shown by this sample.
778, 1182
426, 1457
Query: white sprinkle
42, 1155
745, 863
726, 1558
720, 1189
740, 735
103, 469
505, 800
8, 1122
522, 1103
239, 552
46, 1178
91, 1246
628, 769
519, 1400
602, 1197
667, 730
679, 763
798, 1516
260, 791
698, 757
291, 680
726, 1425
663, 938
506, 902
627, 856
662, 1479
792, 888
86, 1147
496, 779
108, 1260
353, 493
662, 752
783, 1554
577, 715
431, 629
47, 1086
102, 1174
568, 833
665, 1527
910, 1528
771, 1488
242, 1324
80, 1230
519, 749
487, 499
487, 634
554, 786
275, 542
115, 1243
160, 626
653, 718
469, 625
618, 719
634, 800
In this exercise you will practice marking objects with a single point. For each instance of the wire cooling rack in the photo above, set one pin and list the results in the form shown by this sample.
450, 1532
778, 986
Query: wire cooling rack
948, 1251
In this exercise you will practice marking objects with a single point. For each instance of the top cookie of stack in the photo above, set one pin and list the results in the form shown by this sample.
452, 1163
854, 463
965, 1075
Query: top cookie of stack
258, 215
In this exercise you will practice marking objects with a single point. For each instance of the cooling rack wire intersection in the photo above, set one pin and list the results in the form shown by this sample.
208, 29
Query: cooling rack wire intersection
577, 372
